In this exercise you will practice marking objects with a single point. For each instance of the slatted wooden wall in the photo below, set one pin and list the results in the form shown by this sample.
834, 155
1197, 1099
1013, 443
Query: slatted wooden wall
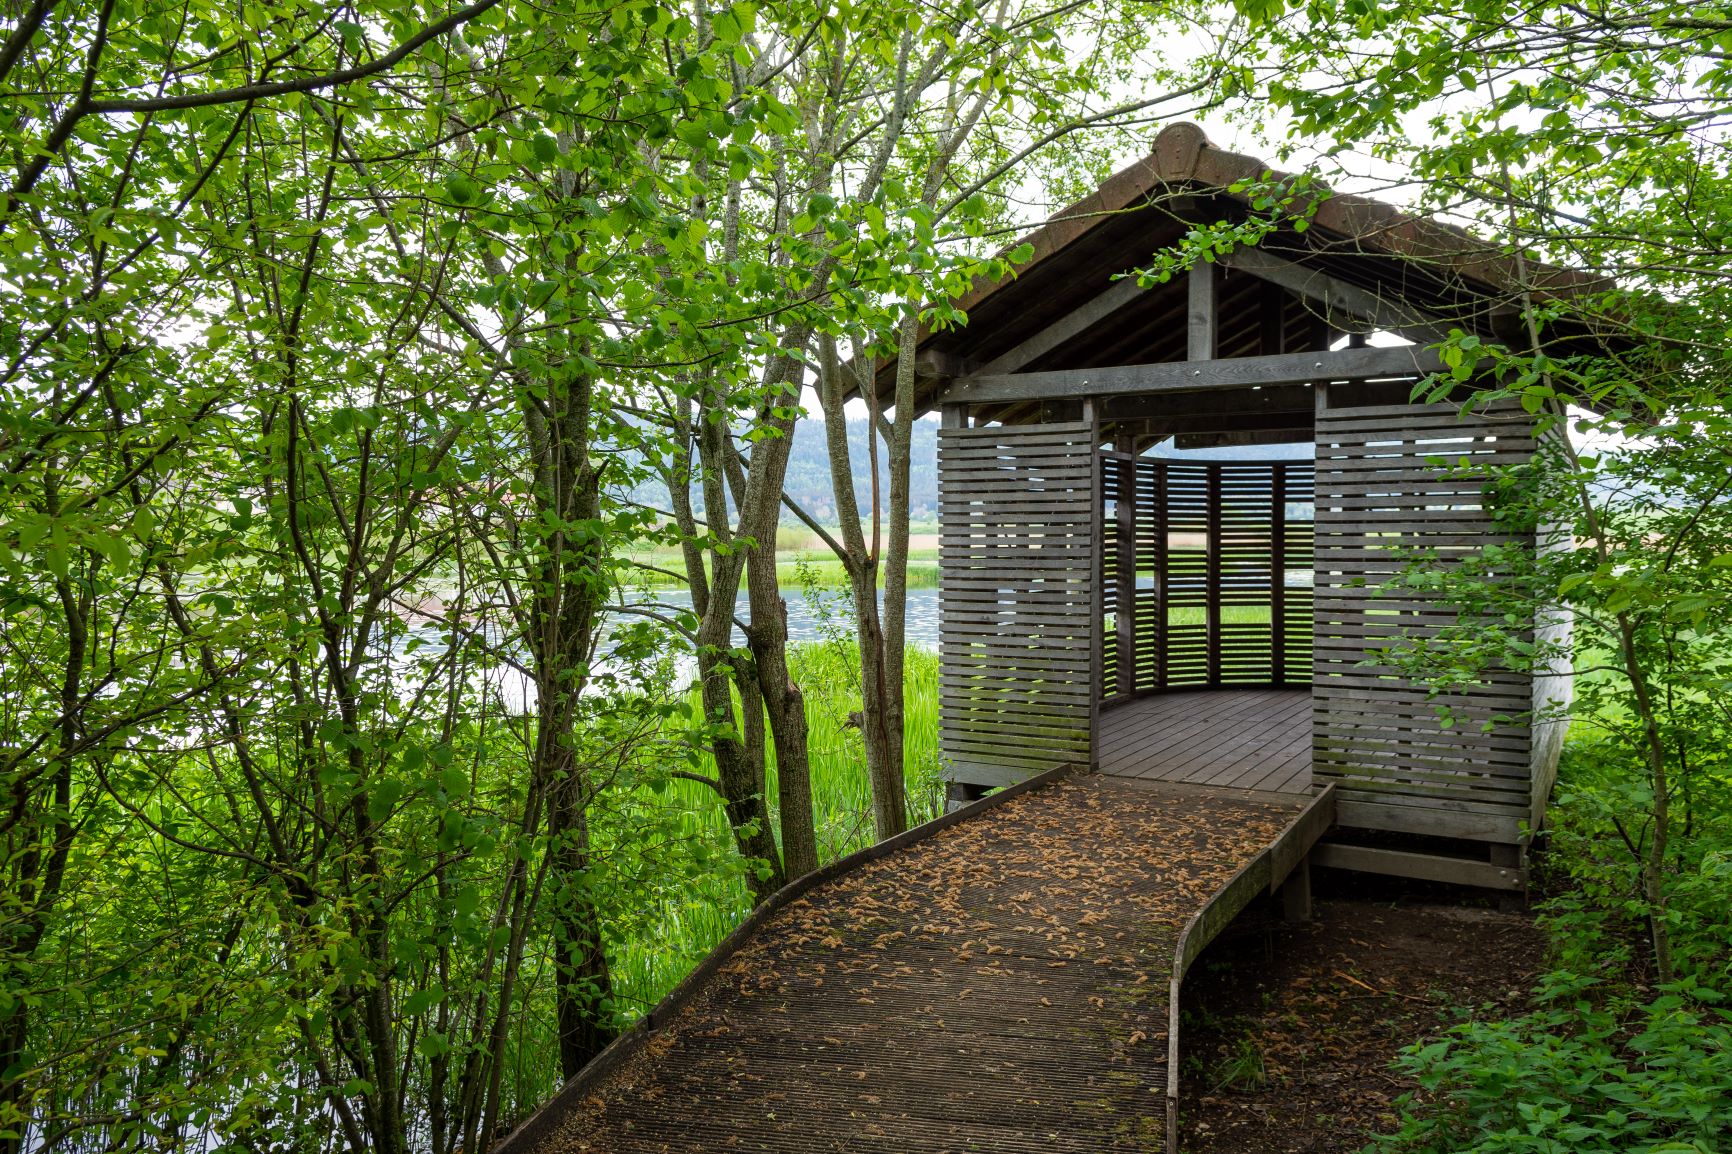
1017, 596
1214, 542
1118, 577
1392, 479
1182, 584
1296, 545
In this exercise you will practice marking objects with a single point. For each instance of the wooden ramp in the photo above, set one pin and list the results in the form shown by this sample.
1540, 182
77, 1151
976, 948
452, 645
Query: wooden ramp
998, 980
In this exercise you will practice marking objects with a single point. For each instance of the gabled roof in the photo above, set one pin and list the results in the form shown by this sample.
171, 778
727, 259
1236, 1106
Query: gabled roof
1419, 267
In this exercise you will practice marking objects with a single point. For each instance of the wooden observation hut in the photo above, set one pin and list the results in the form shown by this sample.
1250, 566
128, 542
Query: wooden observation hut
1169, 515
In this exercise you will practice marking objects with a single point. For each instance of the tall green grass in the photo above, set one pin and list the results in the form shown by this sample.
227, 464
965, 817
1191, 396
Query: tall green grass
655, 947
791, 564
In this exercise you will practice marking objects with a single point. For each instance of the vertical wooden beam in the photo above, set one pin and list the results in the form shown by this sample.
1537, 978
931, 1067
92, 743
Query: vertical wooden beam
1212, 569
1320, 403
1322, 336
953, 416
1203, 327
1272, 337
1097, 640
1278, 574
1163, 536
1296, 893
1127, 575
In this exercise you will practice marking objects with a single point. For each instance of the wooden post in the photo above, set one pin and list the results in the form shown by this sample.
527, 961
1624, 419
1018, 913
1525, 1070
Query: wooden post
1127, 575
1296, 892
1212, 578
1163, 588
953, 416
1278, 575
1272, 333
1097, 608
1202, 321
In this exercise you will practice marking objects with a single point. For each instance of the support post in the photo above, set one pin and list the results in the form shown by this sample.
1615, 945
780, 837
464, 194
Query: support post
1202, 343
1278, 575
1212, 563
1162, 594
1126, 609
1271, 337
1296, 892
1097, 609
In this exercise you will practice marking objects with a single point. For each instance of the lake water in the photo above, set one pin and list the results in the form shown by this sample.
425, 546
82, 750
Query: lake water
824, 614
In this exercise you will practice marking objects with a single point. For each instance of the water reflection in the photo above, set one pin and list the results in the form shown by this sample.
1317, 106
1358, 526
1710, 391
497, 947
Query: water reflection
818, 615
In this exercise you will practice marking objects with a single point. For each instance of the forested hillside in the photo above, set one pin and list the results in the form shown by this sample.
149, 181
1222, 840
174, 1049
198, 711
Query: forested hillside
809, 483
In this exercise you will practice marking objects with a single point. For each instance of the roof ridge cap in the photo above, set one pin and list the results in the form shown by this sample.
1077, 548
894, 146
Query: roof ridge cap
1176, 150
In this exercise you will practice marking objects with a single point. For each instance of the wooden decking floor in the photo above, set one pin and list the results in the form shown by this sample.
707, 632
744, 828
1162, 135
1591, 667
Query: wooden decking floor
1227, 738
1000, 985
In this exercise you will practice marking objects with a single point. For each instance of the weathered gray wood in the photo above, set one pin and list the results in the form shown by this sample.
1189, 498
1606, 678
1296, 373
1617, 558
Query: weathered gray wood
1202, 927
1074, 324
1342, 304
1017, 652
1356, 809
1203, 324
1554, 686
1422, 866
1188, 376
538, 1131
1389, 488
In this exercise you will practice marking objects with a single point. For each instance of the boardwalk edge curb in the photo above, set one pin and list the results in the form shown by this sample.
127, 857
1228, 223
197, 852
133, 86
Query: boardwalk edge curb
1265, 872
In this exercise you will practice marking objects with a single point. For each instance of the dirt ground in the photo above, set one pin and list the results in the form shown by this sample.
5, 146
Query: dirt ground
1288, 1030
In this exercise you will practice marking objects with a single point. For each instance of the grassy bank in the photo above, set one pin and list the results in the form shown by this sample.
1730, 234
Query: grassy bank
656, 946
662, 568
801, 558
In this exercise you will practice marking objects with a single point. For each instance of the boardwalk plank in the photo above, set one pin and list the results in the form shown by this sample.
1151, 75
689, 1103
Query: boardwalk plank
1231, 738
1000, 986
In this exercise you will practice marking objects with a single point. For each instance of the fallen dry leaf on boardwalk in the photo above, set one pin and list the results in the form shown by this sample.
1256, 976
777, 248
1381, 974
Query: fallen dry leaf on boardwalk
1034, 1053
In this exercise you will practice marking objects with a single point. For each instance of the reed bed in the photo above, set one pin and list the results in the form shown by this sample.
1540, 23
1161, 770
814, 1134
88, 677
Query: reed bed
655, 947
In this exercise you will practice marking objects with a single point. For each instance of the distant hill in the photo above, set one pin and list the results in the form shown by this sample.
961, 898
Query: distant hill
808, 480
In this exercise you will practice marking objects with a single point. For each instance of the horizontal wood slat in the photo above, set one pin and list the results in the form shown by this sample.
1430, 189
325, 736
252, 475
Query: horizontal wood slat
1016, 576
1210, 538
1394, 484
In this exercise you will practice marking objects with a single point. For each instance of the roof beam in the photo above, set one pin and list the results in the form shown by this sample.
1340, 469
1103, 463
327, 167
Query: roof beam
1216, 440
1339, 300
1196, 376
1243, 405
1079, 321
1213, 423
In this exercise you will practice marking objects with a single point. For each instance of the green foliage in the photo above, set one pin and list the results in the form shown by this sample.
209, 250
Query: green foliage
1625, 1076
1603, 1062
1594, 138
334, 342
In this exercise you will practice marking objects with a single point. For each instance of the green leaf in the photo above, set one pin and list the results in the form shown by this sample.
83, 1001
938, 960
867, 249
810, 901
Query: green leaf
461, 189
382, 797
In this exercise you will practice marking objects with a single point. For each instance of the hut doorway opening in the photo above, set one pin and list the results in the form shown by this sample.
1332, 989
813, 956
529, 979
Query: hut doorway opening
1206, 594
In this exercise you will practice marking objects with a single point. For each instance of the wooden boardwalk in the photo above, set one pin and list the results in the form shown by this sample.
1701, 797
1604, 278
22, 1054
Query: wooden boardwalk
996, 981
1228, 738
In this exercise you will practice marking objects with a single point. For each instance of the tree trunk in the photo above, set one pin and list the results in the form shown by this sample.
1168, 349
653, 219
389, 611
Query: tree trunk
786, 708
881, 716
569, 595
